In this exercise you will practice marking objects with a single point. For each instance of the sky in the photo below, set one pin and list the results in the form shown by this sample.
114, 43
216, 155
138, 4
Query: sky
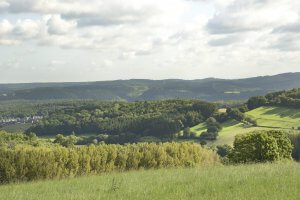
94, 40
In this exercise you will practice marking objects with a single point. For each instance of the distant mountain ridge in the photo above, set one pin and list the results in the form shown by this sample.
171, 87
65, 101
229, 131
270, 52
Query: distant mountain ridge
210, 89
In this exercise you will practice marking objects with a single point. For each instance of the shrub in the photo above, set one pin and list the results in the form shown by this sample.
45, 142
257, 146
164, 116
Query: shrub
149, 139
209, 136
295, 139
251, 121
261, 146
34, 163
68, 141
224, 150
11, 140
187, 132
213, 127
193, 135
243, 109
236, 114
221, 117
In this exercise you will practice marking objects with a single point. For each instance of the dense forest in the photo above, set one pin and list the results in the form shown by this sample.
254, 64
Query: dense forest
147, 118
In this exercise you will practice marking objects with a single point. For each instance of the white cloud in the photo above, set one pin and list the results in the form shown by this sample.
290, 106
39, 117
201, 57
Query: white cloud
5, 27
253, 15
26, 29
58, 26
169, 35
128, 26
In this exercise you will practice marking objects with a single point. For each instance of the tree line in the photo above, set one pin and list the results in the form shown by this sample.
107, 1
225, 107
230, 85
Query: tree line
160, 119
290, 98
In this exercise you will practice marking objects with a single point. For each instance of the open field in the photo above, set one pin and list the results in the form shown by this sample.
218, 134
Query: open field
262, 181
268, 117
232, 128
276, 117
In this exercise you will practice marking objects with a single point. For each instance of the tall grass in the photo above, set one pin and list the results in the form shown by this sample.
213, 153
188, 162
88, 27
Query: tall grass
262, 181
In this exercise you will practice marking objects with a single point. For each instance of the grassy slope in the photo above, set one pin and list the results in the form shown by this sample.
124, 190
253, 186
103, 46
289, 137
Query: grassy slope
200, 128
264, 181
276, 117
232, 128
285, 118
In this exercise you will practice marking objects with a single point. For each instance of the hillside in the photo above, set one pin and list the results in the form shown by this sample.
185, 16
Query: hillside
267, 117
263, 181
276, 117
139, 89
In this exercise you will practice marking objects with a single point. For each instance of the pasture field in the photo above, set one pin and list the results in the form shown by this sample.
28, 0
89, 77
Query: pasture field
261, 181
268, 118
276, 117
230, 129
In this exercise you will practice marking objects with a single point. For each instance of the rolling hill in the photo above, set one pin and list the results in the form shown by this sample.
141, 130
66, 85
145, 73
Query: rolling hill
210, 89
268, 117
276, 117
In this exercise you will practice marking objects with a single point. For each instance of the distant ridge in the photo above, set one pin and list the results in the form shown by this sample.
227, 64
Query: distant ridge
211, 89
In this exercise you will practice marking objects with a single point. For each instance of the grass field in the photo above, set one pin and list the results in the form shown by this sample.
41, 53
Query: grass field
269, 117
232, 128
276, 117
262, 181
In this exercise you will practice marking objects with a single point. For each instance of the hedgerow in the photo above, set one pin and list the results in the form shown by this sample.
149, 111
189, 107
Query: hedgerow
29, 163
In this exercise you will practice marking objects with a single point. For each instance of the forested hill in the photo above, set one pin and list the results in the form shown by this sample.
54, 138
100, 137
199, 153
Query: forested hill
284, 98
140, 89
146, 118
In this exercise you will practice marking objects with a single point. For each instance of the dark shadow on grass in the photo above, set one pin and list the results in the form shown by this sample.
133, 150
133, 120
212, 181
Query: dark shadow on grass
230, 123
284, 112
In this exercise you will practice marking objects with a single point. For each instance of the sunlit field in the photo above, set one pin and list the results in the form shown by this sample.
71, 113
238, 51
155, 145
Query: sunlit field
261, 181
268, 118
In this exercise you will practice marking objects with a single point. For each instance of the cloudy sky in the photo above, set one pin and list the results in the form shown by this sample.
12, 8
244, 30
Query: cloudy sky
89, 40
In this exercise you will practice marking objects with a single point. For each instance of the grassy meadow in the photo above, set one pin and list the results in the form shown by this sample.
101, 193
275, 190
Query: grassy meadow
268, 118
276, 117
230, 129
261, 181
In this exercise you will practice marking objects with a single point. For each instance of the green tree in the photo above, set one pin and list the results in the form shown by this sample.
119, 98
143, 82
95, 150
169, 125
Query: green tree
261, 146
224, 150
255, 102
187, 132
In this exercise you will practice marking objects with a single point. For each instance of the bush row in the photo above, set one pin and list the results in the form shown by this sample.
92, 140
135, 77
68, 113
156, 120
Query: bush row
35, 163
